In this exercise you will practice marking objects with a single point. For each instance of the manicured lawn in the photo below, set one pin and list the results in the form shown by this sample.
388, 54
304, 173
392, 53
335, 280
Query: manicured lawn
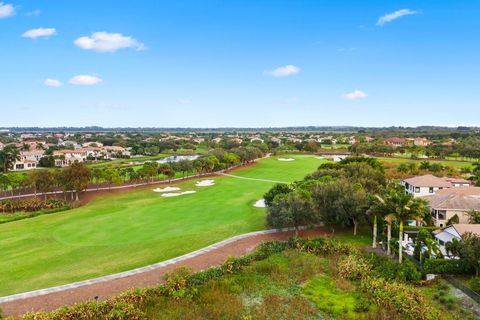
122, 231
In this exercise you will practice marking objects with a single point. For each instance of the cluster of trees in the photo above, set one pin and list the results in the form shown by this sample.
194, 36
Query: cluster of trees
336, 195
345, 194
424, 167
79, 176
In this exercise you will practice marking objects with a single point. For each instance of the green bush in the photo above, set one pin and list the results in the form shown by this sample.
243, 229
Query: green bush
353, 267
391, 270
321, 246
443, 266
474, 284
400, 297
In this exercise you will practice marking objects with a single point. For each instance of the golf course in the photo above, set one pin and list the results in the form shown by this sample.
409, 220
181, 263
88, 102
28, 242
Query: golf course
122, 231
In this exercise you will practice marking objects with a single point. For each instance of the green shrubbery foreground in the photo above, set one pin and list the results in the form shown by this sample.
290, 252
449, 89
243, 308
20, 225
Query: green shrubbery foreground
379, 278
399, 296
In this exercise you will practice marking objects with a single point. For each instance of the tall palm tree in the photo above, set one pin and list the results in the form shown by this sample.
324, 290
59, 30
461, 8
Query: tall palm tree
396, 204
8, 156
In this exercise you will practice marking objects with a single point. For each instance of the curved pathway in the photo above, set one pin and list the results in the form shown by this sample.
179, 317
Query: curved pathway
108, 286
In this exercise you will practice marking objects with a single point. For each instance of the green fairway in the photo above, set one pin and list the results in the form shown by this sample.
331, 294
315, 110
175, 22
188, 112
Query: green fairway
454, 164
126, 230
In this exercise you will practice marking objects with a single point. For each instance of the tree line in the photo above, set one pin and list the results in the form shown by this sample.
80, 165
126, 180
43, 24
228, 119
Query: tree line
78, 176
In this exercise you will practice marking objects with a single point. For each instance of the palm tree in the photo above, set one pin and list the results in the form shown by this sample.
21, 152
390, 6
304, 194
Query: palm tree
8, 156
405, 207
384, 208
396, 204
425, 165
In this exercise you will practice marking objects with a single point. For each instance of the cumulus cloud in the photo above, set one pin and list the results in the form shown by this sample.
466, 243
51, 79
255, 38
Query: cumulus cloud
6, 10
85, 80
184, 101
389, 17
285, 71
355, 95
39, 33
52, 82
107, 42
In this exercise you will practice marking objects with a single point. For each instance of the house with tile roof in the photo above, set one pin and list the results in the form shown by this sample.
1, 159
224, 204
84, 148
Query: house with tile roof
427, 185
447, 203
454, 231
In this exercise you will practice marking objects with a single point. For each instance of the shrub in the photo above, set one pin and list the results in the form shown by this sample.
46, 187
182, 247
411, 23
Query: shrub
443, 266
391, 270
321, 246
402, 298
474, 284
353, 267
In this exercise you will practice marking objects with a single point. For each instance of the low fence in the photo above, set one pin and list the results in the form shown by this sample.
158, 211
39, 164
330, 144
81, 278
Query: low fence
459, 285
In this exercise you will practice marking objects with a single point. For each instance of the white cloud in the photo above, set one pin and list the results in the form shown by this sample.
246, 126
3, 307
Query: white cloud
85, 80
40, 32
285, 71
6, 10
389, 17
33, 13
52, 82
356, 94
107, 42
184, 101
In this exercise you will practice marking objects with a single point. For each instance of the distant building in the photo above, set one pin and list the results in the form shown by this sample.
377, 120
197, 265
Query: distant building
421, 142
395, 142
426, 185
92, 144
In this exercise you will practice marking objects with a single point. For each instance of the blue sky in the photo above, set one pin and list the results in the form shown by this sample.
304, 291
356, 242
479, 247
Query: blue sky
239, 63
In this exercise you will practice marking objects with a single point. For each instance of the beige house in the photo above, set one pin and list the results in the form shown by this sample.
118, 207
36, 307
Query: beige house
395, 141
447, 203
421, 142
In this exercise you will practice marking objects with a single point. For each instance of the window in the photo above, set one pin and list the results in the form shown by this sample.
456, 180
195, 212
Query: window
417, 189
442, 214
430, 190
441, 242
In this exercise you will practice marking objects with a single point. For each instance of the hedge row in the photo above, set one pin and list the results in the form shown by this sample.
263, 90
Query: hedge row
443, 266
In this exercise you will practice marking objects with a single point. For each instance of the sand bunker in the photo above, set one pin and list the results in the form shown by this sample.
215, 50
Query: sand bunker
260, 204
167, 189
286, 159
205, 183
176, 194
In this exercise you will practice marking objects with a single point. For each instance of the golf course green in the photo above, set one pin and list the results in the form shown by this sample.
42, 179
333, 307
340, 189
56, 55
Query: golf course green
122, 231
